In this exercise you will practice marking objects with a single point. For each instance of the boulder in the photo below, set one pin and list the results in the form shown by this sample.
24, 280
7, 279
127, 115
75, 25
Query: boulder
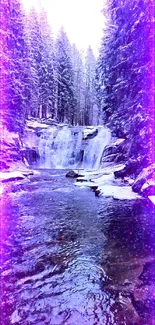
94, 187
120, 157
109, 158
129, 169
137, 185
90, 132
72, 174
146, 174
83, 179
98, 192
114, 148
116, 151
128, 181
148, 188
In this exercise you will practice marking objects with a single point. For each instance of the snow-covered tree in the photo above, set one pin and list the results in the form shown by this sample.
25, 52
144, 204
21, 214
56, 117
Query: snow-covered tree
124, 72
90, 66
47, 88
41, 65
13, 65
79, 85
34, 43
66, 101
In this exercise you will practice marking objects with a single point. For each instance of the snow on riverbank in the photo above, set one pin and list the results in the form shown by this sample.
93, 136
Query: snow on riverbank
104, 183
118, 192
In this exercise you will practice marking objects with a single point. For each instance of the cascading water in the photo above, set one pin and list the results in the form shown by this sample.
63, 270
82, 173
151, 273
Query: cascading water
59, 148
94, 151
64, 148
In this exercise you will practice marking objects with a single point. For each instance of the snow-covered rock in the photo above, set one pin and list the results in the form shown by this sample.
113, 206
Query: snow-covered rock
90, 132
104, 183
11, 176
113, 148
148, 188
35, 124
118, 192
145, 175
73, 173
109, 158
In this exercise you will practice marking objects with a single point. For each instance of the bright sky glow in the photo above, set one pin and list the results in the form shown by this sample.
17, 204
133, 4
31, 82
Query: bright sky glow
82, 19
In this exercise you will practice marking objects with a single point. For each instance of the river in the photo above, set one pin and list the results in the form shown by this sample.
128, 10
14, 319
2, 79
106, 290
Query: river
71, 258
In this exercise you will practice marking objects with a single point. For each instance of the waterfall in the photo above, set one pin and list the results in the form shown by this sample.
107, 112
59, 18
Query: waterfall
64, 147
59, 148
94, 151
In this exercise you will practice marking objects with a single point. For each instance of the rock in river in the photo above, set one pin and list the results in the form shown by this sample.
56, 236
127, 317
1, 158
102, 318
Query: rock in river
73, 174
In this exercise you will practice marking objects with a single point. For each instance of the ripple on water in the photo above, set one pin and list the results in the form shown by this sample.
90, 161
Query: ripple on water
64, 252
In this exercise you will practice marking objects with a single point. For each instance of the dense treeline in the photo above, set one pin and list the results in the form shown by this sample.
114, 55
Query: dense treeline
125, 73
13, 65
42, 77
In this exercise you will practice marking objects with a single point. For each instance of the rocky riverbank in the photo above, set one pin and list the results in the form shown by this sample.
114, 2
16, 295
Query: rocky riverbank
115, 180
111, 180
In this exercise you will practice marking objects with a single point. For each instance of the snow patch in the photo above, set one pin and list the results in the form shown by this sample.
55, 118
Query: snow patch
11, 175
89, 131
35, 124
152, 199
106, 185
118, 192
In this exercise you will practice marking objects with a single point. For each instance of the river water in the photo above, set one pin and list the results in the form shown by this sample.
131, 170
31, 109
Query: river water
71, 258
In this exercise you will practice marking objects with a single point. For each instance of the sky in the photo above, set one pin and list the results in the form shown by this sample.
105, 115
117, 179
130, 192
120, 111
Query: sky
82, 19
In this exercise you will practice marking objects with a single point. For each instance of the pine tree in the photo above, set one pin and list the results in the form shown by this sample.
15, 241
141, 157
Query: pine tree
79, 85
46, 69
65, 80
13, 65
41, 66
33, 40
90, 66
124, 72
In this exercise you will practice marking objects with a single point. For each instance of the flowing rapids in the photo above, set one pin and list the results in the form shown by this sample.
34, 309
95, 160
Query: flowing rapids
66, 254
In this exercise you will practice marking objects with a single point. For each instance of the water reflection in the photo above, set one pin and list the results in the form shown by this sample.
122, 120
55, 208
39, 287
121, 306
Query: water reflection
71, 258
130, 245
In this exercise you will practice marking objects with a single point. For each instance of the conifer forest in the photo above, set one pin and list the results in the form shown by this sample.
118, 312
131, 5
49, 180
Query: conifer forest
77, 167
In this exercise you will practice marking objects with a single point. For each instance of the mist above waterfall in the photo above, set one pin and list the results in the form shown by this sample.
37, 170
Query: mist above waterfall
65, 147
